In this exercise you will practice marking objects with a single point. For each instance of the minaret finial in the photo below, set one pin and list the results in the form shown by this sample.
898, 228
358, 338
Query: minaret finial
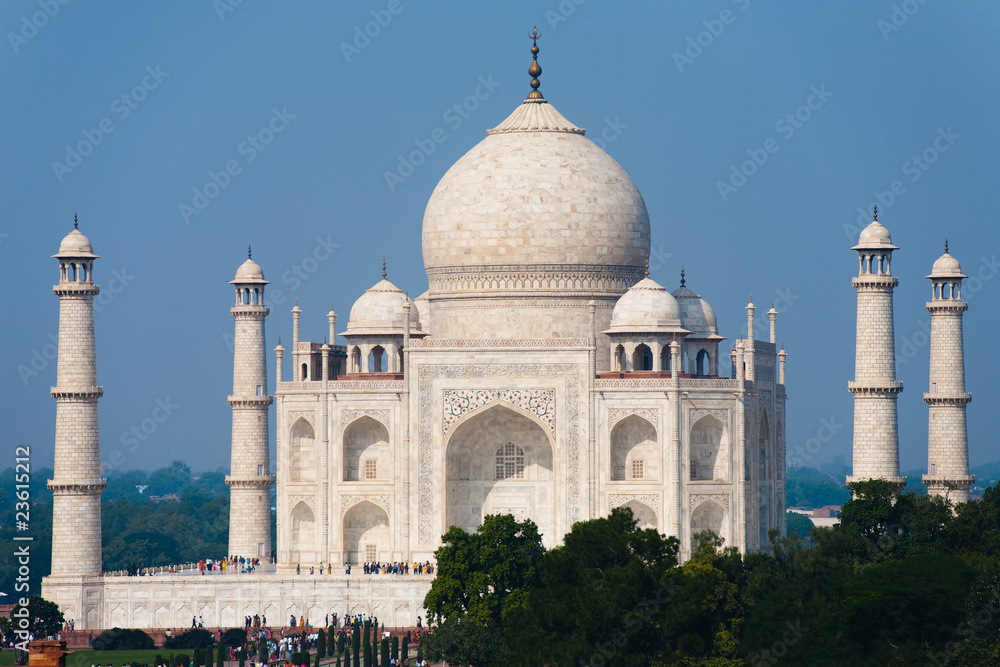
535, 68
682, 275
946, 246
875, 214
383, 268
76, 223
647, 267
249, 252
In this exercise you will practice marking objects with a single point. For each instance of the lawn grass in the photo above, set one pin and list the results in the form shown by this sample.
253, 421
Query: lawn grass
118, 658
7, 658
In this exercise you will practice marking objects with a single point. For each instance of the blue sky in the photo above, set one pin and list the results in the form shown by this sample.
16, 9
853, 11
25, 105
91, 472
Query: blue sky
840, 104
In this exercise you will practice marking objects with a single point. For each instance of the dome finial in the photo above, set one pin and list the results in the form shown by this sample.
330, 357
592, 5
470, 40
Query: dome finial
875, 214
535, 69
682, 275
647, 267
76, 223
383, 268
249, 252
946, 246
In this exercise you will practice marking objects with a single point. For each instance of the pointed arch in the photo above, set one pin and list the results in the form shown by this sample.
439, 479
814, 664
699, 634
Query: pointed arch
302, 537
710, 515
479, 448
634, 452
708, 446
644, 515
366, 451
366, 533
642, 358
302, 452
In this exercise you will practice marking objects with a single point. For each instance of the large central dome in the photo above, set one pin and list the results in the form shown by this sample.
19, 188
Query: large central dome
534, 212
535, 195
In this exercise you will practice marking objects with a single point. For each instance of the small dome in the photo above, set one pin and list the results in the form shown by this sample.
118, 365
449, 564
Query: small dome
380, 311
875, 236
75, 244
249, 272
696, 315
946, 266
645, 307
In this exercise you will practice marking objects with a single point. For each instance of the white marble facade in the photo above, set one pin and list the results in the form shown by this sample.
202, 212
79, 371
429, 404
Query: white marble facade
543, 374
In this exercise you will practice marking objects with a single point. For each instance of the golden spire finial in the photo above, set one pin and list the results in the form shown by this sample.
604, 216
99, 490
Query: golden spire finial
647, 267
875, 213
682, 275
249, 252
76, 223
946, 246
383, 268
535, 69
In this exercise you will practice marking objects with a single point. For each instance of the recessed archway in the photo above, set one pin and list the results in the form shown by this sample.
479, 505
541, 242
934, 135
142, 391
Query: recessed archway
709, 515
709, 458
499, 461
366, 451
302, 452
366, 533
302, 537
634, 454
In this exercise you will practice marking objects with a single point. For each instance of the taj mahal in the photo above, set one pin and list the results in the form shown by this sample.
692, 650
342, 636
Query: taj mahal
543, 374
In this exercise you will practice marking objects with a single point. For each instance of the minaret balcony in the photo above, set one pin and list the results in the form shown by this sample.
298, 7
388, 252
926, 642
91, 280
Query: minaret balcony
875, 388
945, 398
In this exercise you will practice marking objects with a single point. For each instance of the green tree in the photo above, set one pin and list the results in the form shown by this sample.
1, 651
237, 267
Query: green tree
193, 638
601, 585
798, 524
480, 577
321, 643
385, 652
223, 653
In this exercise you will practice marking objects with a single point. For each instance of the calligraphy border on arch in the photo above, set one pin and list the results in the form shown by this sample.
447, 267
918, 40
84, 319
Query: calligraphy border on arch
426, 375
380, 500
696, 499
456, 403
652, 500
694, 414
348, 416
651, 415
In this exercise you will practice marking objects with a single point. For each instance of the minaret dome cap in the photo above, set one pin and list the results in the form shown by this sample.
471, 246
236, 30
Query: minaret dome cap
77, 246
249, 272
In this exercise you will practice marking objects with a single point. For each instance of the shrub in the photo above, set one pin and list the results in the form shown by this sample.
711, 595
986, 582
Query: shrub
234, 637
182, 660
117, 639
193, 638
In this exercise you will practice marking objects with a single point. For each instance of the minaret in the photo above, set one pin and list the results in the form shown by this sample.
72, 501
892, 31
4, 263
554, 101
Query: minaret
947, 440
876, 434
76, 479
251, 478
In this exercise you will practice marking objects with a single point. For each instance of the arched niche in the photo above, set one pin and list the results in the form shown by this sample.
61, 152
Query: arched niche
709, 450
644, 515
366, 533
709, 515
302, 537
302, 464
499, 461
366, 451
634, 453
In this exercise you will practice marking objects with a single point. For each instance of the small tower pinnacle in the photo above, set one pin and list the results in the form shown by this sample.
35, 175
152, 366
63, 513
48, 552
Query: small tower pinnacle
76, 223
383, 271
875, 213
249, 252
647, 267
682, 275
946, 246
535, 69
